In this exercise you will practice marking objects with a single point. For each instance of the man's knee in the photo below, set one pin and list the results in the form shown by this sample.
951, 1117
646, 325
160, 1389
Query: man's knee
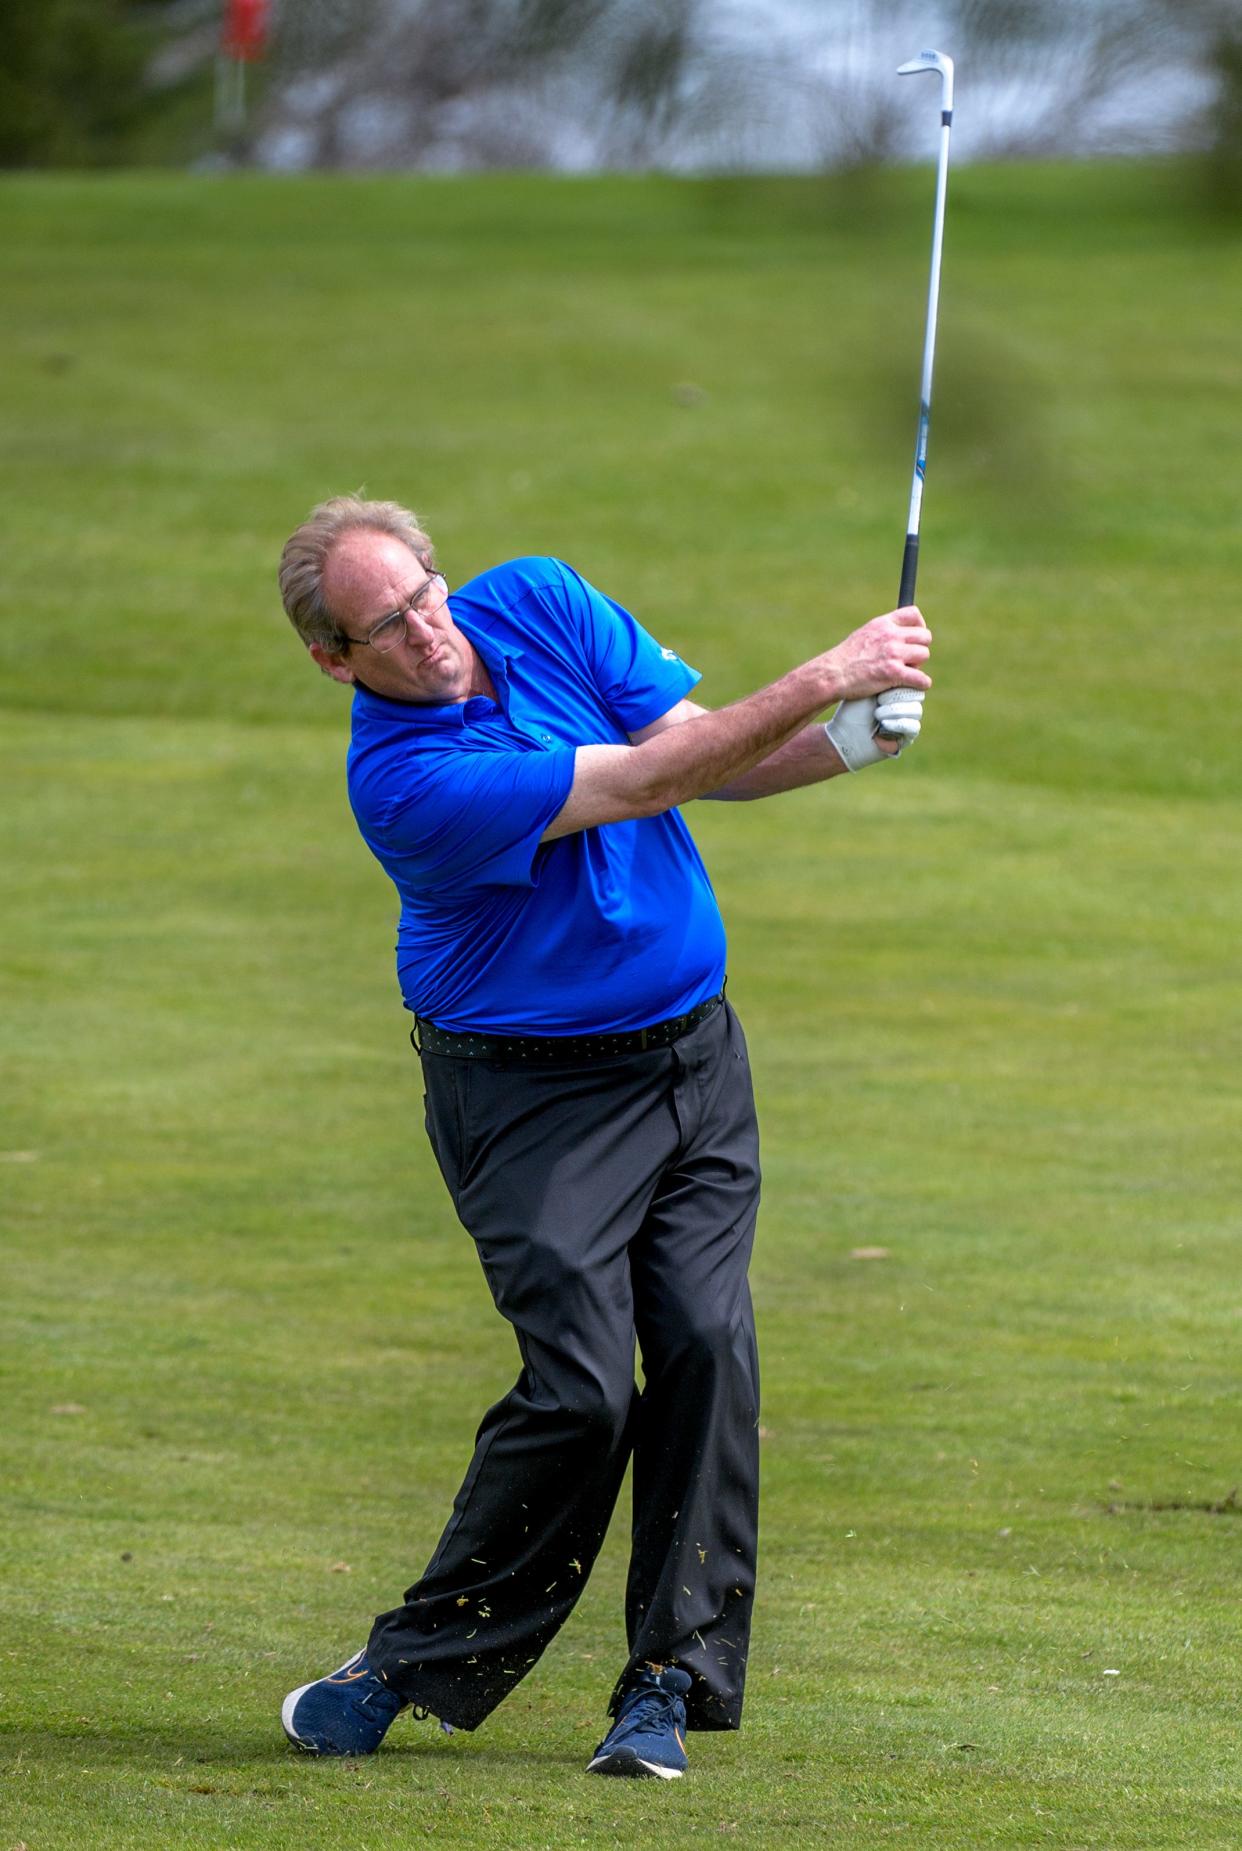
589, 1407
576, 1329
699, 1339
603, 1412
588, 1391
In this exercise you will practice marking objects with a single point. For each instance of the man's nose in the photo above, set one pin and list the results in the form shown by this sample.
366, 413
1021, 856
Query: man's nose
419, 629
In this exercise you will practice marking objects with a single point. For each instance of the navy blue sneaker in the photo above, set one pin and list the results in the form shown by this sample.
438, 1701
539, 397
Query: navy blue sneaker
648, 1738
349, 1712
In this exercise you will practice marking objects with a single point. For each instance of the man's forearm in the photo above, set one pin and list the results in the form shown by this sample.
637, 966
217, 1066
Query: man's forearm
807, 758
613, 783
717, 753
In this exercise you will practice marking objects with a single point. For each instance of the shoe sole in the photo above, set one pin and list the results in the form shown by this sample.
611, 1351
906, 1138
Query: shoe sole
630, 1767
286, 1721
291, 1702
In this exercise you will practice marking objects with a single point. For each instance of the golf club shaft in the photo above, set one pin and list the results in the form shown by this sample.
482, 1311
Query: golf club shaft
910, 558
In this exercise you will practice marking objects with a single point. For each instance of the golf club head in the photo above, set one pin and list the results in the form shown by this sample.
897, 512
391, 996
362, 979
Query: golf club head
933, 61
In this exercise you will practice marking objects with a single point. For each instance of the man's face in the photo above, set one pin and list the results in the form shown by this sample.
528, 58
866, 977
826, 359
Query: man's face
370, 575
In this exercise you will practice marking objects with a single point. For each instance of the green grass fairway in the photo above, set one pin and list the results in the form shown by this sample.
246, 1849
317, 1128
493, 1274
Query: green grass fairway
993, 994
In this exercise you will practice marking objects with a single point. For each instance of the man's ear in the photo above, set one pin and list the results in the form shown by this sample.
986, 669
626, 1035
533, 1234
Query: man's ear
334, 665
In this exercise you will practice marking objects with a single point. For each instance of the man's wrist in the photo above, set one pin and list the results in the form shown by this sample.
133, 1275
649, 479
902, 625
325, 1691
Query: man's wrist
829, 679
839, 767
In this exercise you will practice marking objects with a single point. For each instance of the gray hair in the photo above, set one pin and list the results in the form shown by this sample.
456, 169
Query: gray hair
307, 551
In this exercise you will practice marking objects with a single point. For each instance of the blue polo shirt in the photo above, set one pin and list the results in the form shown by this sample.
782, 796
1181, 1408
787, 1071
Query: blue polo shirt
608, 929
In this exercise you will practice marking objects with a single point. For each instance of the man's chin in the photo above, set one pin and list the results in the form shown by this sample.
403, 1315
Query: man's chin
430, 692
432, 689
442, 689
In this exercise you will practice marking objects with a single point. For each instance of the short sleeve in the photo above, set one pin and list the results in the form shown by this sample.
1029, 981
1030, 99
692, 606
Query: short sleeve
474, 819
637, 677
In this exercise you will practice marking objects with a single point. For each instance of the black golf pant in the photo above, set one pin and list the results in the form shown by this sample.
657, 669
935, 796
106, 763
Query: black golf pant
606, 1201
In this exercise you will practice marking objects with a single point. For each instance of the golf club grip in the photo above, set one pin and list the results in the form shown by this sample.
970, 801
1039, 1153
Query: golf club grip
909, 573
909, 570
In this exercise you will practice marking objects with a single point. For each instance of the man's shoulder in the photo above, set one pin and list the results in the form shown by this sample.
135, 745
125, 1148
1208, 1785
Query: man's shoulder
535, 605
514, 579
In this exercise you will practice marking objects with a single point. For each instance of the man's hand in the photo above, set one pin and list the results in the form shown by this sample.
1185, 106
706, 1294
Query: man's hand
899, 716
863, 732
880, 659
882, 654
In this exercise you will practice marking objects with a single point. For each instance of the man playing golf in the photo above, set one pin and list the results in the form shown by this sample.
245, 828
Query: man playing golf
520, 749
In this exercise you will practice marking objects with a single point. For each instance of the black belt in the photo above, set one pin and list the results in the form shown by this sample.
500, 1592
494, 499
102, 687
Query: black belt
544, 1050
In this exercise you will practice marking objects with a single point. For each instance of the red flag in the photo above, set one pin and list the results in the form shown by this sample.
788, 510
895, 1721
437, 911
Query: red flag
245, 29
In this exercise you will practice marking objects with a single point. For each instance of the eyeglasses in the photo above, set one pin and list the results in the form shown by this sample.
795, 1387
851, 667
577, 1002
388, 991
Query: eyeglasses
391, 630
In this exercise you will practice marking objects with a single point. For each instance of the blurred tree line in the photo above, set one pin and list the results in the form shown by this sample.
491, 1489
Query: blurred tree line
608, 83
79, 79
483, 83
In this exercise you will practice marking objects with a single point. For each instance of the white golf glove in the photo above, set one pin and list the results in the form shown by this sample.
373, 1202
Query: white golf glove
853, 727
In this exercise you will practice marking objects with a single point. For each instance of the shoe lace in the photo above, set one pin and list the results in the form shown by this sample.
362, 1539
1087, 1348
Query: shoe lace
650, 1712
378, 1697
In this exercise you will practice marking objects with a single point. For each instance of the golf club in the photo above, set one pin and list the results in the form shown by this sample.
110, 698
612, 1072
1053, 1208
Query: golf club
939, 62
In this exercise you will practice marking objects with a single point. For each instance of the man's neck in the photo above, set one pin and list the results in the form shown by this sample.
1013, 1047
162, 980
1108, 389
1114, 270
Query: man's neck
480, 681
